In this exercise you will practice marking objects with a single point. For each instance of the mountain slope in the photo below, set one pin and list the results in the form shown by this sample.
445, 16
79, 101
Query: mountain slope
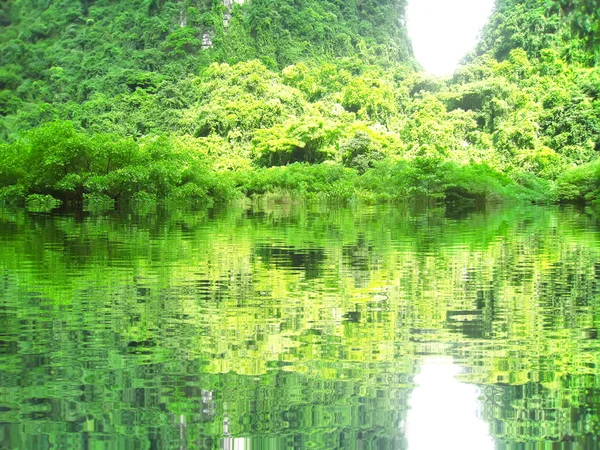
572, 27
59, 51
141, 101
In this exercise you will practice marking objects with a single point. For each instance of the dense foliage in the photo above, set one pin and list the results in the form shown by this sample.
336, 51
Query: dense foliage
572, 27
104, 102
58, 55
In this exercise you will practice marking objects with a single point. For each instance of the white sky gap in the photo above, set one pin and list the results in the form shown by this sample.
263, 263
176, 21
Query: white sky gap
443, 31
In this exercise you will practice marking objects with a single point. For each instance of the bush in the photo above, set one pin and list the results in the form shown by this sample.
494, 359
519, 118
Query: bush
580, 184
13, 195
59, 161
361, 152
96, 202
41, 203
481, 184
311, 139
327, 181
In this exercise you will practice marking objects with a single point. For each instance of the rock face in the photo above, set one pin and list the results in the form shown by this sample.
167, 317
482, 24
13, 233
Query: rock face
207, 35
229, 5
206, 40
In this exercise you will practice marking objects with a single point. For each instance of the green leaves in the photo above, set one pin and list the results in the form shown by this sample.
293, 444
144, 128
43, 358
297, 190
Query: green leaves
70, 54
56, 160
182, 41
361, 151
82, 113
311, 139
371, 98
581, 183
41, 203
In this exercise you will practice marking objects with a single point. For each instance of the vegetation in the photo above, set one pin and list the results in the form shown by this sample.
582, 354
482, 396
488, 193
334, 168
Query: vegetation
304, 324
292, 328
104, 102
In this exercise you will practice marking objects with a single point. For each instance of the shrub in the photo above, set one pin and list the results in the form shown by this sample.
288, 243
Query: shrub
41, 203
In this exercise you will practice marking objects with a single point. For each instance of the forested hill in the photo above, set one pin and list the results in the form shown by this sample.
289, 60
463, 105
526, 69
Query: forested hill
141, 101
68, 50
572, 27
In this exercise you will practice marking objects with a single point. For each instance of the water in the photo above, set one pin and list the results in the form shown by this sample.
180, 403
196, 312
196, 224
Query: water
290, 327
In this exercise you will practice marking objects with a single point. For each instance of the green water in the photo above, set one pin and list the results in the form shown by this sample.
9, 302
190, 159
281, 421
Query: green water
300, 327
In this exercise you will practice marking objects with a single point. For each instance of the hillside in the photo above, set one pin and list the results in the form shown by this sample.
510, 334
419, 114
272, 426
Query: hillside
70, 51
142, 101
572, 28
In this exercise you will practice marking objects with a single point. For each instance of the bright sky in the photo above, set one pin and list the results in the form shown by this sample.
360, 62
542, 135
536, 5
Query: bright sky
443, 31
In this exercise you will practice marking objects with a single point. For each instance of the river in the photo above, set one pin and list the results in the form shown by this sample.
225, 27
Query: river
291, 327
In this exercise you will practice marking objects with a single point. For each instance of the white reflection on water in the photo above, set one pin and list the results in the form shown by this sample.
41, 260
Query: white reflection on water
236, 444
444, 413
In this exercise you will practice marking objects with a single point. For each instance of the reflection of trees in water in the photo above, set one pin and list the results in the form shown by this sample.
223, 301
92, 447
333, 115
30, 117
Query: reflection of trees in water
532, 413
306, 411
361, 259
309, 260
162, 410
299, 328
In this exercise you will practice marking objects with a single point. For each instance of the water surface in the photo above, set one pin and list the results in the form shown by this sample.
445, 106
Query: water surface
289, 327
